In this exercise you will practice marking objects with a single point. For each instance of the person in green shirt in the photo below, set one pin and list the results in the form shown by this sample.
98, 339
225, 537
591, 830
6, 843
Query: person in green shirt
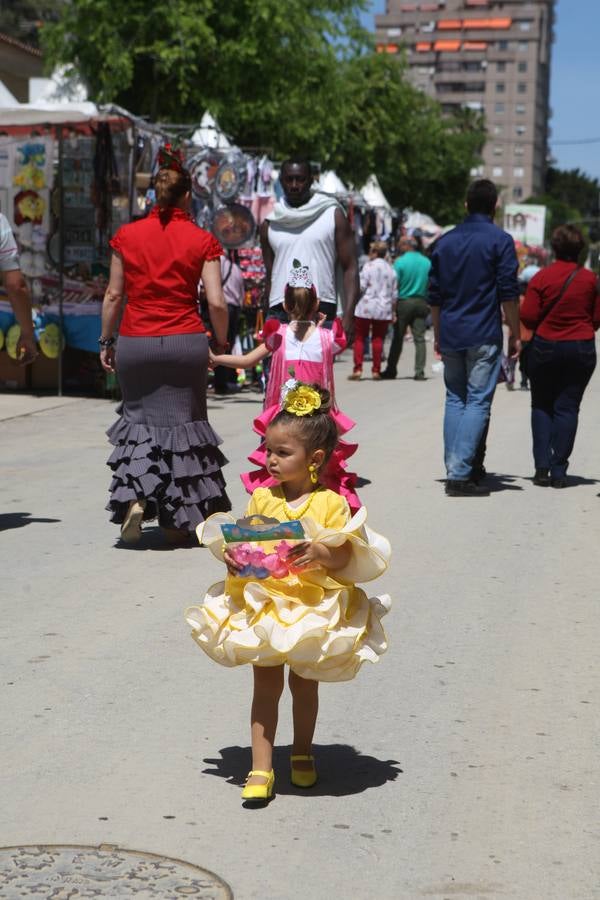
412, 272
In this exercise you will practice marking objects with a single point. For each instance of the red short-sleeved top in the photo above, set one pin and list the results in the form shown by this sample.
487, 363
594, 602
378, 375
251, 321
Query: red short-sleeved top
163, 256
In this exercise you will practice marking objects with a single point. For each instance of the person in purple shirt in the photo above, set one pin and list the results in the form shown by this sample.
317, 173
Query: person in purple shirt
473, 279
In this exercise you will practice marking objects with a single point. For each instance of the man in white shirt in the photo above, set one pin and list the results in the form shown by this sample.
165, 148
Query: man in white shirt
17, 291
313, 228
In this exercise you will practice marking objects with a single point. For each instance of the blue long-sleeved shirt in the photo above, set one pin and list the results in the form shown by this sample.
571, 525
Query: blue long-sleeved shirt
473, 270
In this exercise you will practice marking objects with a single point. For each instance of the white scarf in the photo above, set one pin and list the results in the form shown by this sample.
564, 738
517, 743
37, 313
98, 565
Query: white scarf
300, 216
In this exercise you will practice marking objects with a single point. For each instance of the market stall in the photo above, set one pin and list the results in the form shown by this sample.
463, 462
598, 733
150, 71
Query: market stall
66, 185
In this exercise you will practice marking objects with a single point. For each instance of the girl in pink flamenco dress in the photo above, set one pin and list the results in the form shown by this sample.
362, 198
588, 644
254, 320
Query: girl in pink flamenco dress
300, 351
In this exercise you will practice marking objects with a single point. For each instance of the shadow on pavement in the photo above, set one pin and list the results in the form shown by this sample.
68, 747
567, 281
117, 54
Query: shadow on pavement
19, 520
342, 769
576, 480
153, 539
497, 482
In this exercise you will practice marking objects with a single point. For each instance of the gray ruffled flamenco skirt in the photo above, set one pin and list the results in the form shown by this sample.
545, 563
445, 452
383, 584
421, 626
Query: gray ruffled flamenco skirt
166, 453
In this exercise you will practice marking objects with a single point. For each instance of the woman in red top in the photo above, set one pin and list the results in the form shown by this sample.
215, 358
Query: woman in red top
166, 461
562, 356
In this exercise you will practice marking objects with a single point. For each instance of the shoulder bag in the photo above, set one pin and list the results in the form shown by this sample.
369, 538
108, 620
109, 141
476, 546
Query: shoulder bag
526, 352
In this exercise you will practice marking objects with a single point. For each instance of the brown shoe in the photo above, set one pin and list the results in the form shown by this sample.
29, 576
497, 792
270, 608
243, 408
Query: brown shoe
356, 376
376, 376
131, 529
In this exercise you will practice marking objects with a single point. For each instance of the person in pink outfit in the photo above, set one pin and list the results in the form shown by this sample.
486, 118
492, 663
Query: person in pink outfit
376, 309
303, 351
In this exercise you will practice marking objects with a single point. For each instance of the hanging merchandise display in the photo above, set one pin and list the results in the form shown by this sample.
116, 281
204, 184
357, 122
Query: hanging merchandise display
233, 225
30, 172
228, 180
78, 203
66, 184
203, 167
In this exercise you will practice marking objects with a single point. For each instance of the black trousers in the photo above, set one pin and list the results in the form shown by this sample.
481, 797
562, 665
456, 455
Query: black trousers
559, 372
223, 375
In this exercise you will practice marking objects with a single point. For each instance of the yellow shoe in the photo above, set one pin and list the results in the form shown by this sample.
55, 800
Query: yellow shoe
131, 529
304, 778
259, 791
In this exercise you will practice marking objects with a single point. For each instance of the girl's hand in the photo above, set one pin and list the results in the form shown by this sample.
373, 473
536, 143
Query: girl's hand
307, 554
321, 318
233, 567
212, 359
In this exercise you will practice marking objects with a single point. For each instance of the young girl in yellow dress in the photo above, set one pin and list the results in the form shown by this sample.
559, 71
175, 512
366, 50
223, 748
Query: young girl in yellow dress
302, 608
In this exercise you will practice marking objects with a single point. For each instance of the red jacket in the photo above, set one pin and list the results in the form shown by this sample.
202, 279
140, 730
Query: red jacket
576, 316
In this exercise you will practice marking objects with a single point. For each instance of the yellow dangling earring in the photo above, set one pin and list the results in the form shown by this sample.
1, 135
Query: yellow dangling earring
314, 475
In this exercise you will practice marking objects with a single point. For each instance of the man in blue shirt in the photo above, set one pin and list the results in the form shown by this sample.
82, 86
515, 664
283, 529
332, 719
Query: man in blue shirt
473, 277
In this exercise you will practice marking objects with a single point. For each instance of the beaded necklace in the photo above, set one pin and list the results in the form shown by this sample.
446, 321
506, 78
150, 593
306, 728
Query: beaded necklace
296, 512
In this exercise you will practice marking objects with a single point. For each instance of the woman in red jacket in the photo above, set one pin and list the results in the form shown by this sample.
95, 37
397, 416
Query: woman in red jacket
166, 461
562, 356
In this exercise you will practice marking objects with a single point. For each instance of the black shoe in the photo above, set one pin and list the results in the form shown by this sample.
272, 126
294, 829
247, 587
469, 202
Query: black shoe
478, 474
420, 377
387, 375
542, 477
465, 489
225, 389
558, 483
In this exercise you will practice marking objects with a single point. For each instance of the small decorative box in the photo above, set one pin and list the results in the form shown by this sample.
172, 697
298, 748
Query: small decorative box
260, 545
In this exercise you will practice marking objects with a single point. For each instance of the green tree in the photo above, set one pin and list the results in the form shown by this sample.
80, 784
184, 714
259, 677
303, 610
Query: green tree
422, 158
23, 19
571, 196
250, 61
299, 76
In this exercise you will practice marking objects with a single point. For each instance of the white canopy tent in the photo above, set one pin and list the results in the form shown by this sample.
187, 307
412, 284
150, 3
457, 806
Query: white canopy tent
44, 113
331, 183
6, 98
210, 134
374, 195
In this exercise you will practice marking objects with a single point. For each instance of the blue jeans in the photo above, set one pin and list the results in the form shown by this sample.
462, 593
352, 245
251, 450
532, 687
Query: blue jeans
559, 372
470, 377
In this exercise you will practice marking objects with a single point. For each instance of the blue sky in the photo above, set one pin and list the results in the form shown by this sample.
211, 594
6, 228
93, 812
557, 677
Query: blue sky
574, 87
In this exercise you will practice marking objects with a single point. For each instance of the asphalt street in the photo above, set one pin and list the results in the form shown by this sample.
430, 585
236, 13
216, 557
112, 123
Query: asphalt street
463, 765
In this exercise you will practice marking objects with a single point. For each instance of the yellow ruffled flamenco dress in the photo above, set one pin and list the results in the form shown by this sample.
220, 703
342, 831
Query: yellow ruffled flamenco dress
320, 624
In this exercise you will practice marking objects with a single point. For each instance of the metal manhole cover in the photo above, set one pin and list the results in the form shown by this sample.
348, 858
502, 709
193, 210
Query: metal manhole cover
62, 872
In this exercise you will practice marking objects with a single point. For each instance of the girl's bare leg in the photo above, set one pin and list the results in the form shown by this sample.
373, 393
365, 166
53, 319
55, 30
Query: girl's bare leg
305, 706
268, 687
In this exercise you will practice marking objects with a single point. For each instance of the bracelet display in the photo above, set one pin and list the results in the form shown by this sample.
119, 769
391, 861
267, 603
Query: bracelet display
106, 342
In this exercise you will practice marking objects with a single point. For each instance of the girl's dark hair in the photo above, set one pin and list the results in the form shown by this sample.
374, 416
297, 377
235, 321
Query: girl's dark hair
567, 243
171, 185
317, 431
299, 302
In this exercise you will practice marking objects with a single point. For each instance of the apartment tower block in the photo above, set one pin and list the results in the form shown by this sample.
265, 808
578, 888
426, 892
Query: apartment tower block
492, 56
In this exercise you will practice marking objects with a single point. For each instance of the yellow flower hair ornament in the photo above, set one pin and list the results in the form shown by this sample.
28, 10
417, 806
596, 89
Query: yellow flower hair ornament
302, 400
